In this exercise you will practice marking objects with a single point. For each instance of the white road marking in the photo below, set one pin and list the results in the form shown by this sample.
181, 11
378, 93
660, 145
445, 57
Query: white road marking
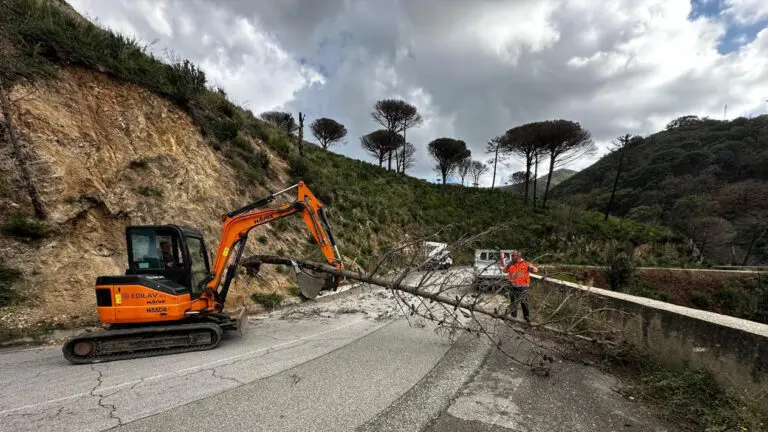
181, 371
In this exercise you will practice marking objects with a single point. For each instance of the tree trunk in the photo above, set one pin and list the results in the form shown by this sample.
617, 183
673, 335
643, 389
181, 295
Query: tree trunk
535, 177
528, 162
495, 159
21, 161
549, 178
389, 164
301, 134
615, 183
755, 237
404, 146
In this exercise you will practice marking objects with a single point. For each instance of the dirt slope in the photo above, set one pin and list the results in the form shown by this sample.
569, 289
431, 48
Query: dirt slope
93, 144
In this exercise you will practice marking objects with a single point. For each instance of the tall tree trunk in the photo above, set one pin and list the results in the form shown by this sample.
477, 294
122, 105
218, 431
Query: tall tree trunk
549, 178
389, 164
397, 161
535, 177
495, 159
301, 134
21, 161
752, 241
404, 146
615, 183
528, 161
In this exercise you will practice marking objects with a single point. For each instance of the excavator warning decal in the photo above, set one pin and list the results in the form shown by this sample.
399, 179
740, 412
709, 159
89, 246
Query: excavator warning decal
118, 299
226, 251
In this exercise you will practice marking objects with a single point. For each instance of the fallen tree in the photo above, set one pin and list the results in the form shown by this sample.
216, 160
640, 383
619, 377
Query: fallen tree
458, 302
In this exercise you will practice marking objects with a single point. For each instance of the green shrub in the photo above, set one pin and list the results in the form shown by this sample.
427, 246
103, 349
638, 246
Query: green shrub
294, 290
9, 295
302, 169
693, 397
701, 301
138, 163
225, 129
621, 272
149, 191
18, 224
728, 298
269, 301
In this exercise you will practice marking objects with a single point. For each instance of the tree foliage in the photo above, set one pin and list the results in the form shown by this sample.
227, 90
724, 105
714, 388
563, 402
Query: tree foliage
462, 169
499, 152
448, 153
406, 157
564, 141
328, 131
379, 142
395, 115
476, 170
283, 120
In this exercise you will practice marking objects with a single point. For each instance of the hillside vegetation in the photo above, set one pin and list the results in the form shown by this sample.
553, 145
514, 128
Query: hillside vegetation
706, 178
111, 136
558, 176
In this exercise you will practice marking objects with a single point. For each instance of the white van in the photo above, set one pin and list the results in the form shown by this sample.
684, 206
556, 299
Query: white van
436, 256
487, 265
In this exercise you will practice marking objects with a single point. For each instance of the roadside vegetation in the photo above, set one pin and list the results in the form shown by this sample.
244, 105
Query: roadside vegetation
690, 399
741, 295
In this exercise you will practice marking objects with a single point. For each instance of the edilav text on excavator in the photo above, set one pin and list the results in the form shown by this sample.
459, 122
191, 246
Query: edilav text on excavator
171, 300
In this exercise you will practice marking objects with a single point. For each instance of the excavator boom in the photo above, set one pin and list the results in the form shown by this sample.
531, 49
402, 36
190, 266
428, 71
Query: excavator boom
237, 224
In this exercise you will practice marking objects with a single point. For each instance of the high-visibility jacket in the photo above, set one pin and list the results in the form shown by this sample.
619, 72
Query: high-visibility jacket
519, 273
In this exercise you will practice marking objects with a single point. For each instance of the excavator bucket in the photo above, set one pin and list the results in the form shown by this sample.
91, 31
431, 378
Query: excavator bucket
310, 285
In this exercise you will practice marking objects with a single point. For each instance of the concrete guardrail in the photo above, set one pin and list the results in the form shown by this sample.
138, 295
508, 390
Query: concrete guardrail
734, 350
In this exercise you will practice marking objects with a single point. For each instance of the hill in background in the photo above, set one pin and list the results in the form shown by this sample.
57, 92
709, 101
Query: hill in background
558, 176
706, 178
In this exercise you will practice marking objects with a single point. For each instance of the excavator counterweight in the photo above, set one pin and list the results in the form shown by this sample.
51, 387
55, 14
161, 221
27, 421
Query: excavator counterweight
171, 298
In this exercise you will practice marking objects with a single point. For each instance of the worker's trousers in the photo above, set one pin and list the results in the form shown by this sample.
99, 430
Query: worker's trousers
519, 294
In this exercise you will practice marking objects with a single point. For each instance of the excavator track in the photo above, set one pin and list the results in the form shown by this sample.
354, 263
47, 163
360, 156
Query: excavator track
139, 342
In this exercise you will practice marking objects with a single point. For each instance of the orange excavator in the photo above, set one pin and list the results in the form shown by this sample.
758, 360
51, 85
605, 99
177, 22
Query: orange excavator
170, 301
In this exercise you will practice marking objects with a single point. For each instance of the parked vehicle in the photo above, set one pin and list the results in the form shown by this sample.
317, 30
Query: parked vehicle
436, 256
487, 266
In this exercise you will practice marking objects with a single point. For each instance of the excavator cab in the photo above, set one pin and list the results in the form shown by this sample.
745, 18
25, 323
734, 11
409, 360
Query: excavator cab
176, 253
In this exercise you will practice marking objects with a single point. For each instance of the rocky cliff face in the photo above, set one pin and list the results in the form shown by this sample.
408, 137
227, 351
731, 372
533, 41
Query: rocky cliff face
104, 155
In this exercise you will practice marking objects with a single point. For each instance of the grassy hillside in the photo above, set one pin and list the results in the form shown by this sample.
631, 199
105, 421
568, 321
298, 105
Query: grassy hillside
706, 178
558, 176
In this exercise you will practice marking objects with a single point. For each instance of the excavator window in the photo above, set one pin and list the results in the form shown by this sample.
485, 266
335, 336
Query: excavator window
198, 264
158, 250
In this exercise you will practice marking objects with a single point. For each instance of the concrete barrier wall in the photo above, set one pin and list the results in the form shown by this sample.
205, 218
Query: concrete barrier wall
734, 350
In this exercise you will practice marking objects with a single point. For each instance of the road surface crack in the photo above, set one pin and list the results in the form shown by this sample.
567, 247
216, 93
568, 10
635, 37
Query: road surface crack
111, 407
39, 414
214, 371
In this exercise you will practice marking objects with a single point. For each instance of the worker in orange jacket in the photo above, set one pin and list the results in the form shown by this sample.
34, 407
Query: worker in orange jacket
518, 275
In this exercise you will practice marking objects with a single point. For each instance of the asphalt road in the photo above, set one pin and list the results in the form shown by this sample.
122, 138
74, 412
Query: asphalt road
330, 366
347, 363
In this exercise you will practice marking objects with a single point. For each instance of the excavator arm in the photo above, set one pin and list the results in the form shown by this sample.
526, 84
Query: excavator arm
237, 224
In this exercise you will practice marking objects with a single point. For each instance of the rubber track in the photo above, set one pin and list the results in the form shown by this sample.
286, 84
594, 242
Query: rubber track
68, 348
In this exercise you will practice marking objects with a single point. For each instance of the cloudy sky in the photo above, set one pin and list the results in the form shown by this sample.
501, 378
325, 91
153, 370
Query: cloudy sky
473, 68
